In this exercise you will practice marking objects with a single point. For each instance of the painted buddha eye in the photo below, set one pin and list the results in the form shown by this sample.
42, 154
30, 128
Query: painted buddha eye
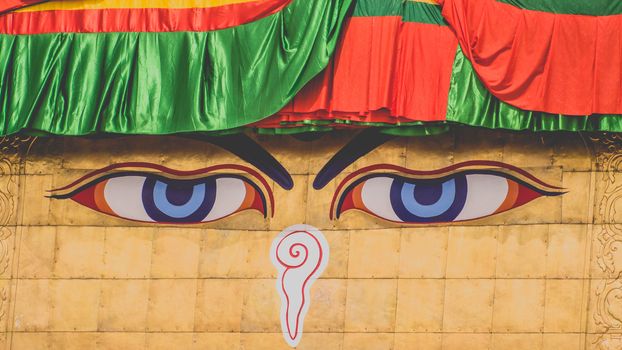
153, 194
463, 192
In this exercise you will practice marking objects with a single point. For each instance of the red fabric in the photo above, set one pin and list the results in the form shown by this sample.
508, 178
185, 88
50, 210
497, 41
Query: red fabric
385, 71
139, 19
10, 5
555, 63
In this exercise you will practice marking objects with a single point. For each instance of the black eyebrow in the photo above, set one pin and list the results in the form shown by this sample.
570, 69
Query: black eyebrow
359, 146
250, 151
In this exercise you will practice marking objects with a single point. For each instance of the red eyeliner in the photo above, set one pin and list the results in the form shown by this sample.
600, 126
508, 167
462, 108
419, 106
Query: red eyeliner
174, 172
474, 163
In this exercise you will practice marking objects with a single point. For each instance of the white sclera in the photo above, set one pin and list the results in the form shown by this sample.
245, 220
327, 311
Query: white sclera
485, 194
376, 195
124, 196
230, 194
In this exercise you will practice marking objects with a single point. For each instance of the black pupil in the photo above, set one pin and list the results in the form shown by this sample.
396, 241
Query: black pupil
179, 193
428, 193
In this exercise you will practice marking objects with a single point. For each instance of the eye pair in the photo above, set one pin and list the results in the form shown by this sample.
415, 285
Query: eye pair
154, 194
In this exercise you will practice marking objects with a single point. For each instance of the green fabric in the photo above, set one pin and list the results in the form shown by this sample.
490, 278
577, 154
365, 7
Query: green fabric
422, 12
164, 83
400, 129
410, 11
471, 104
343, 122
409, 131
575, 7
374, 8
294, 131
418, 130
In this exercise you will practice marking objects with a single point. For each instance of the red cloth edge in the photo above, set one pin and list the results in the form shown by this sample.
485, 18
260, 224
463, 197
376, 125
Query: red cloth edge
10, 5
138, 20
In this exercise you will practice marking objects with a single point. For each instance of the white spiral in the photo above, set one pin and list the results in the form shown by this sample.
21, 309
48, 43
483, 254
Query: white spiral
300, 254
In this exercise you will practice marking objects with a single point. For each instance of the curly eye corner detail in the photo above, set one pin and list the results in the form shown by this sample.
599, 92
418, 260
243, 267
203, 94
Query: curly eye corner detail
463, 192
152, 194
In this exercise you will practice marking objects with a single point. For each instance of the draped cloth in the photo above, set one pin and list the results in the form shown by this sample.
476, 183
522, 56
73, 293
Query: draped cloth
414, 79
152, 78
541, 61
219, 66
109, 16
10, 5
393, 67
470, 103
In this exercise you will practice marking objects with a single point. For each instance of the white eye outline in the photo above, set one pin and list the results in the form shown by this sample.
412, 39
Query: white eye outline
124, 196
481, 199
226, 203
132, 186
377, 199
485, 193
487, 188
238, 180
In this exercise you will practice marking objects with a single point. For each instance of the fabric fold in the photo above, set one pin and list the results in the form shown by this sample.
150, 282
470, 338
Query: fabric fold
392, 67
470, 103
138, 82
11, 5
89, 17
397, 66
588, 8
542, 61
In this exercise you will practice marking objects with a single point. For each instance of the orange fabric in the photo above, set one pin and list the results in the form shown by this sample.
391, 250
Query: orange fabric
426, 56
554, 63
385, 71
137, 19
9, 5
64, 5
364, 65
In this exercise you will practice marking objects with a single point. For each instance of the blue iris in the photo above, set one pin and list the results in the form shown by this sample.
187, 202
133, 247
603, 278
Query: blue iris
425, 201
178, 201
410, 193
179, 211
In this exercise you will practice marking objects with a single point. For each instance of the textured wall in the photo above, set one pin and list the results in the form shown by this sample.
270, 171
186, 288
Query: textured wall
542, 276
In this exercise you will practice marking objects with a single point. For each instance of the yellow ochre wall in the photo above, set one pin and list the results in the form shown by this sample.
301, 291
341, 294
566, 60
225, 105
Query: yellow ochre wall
542, 276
